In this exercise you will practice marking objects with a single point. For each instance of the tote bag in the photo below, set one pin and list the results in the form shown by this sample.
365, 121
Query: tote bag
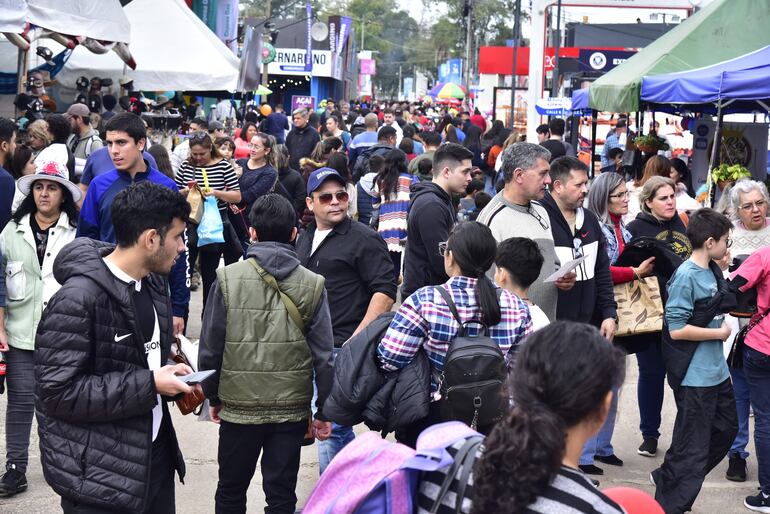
211, 229
640, 307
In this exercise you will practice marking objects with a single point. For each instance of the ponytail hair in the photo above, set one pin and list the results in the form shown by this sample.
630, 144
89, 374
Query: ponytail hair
473, 248
561, 377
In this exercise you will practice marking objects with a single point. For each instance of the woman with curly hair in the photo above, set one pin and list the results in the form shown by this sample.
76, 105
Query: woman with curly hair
562, 385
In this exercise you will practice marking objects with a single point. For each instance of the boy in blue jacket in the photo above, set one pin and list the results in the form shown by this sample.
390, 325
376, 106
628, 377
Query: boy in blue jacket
706, 419
126, 139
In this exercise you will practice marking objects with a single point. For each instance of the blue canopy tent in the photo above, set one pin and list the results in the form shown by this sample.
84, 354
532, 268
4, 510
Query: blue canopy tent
580, 100
736, 85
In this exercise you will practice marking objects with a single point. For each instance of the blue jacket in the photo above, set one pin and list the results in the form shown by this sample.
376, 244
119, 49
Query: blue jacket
100, 162
95, 222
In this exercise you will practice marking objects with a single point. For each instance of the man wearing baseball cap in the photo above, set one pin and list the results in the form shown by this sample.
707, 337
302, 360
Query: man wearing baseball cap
354, 261
84, 139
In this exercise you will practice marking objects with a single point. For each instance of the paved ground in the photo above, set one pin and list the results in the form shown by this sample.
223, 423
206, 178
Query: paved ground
199, 445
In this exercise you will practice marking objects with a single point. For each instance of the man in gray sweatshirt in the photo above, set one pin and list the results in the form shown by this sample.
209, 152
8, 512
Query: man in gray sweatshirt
515, 212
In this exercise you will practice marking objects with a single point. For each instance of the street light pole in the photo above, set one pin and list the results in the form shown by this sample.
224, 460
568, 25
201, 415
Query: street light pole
517, 15
556, 46
468, 42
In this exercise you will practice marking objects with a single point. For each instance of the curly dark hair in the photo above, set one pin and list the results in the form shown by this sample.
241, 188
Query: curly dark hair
561, 377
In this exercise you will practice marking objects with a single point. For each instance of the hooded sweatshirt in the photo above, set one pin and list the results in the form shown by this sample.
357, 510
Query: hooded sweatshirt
672, 232
280, 261
431, 218
592, 300
301, 143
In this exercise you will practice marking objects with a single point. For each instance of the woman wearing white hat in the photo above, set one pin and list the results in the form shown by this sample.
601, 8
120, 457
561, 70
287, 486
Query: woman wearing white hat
43, 224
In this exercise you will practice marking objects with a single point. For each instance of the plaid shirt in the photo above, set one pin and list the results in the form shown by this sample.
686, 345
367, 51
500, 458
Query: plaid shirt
612, 141
424, 320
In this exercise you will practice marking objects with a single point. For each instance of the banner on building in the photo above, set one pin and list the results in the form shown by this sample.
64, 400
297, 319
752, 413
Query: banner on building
451, 71
221, 16
302, 102
309, 39
602, 60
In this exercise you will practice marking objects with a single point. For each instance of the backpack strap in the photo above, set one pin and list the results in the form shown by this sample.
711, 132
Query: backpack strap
270, 280
459, 461
466, 469
452, 307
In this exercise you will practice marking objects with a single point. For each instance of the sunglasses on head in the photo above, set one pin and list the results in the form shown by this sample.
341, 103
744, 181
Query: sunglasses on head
326, 198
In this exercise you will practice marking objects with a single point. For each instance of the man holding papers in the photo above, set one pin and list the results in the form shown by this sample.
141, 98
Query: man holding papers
515, 212
577, 234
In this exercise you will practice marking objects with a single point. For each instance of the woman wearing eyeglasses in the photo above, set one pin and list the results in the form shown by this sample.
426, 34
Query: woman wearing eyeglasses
259, 176
659, 219
216, 177
424, 320
608, 198
748, 205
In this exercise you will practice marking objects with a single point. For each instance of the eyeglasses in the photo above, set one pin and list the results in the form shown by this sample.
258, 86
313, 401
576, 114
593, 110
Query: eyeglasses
538, 217
620, 196
750, 206
442, 248
326, 198
255, 147
199, 137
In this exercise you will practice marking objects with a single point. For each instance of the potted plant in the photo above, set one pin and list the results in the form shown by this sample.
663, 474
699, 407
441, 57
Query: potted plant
651, 143
726, 174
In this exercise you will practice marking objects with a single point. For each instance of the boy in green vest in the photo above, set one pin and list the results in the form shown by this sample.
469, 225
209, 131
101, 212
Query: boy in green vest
266, 331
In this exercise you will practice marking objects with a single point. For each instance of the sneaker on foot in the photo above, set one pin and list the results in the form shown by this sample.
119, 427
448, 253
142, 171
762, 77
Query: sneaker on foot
12, 482
612, 460
758, 503
736, 470
595, 482
590, 469
649, 447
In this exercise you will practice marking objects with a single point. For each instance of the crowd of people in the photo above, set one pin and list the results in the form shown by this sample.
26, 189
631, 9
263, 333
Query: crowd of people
327, 221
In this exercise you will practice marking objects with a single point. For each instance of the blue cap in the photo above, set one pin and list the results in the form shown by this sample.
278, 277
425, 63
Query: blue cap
319, 176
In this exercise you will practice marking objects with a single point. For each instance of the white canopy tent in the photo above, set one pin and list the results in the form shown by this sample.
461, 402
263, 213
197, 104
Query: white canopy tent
97, 19
173, 48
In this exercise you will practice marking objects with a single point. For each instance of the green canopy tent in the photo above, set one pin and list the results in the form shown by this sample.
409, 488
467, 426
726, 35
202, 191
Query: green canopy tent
722, 30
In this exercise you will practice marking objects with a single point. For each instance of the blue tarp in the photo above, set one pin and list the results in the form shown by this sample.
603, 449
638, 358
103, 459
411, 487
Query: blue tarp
580, 100
744, 80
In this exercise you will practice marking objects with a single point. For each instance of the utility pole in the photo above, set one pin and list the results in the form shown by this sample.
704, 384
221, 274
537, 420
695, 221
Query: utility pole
363, 30
264, 66
556, 46
516, 26
400, 87
468, 38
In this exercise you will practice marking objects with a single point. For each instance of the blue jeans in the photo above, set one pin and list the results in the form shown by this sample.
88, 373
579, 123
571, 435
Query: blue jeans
652, 379
756, 367
601, 443
742, 405
340, 437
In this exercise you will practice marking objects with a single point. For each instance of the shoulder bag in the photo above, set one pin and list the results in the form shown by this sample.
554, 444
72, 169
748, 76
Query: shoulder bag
735, 357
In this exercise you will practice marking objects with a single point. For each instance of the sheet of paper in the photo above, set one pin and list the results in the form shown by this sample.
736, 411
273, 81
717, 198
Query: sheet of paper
565, 268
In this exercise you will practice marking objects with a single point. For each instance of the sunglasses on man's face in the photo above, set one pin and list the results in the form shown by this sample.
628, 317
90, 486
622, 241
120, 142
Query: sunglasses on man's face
326, 198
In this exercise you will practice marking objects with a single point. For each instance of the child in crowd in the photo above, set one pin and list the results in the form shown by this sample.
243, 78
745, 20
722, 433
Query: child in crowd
518, 262
706, 420
481, 199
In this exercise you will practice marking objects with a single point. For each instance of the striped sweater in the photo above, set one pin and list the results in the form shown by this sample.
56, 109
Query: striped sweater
394, 211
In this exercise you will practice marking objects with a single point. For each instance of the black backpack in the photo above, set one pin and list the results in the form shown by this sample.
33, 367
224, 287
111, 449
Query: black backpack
472, 385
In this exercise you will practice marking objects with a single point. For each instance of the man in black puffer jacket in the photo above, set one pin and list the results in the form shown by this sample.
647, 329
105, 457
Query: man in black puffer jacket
106, 438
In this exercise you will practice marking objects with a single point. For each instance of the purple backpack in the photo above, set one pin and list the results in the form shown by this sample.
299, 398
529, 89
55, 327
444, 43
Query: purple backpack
372, 475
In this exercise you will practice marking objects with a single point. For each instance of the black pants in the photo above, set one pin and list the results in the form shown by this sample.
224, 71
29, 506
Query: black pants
239, 449
705, 426
161, 498
209, 256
